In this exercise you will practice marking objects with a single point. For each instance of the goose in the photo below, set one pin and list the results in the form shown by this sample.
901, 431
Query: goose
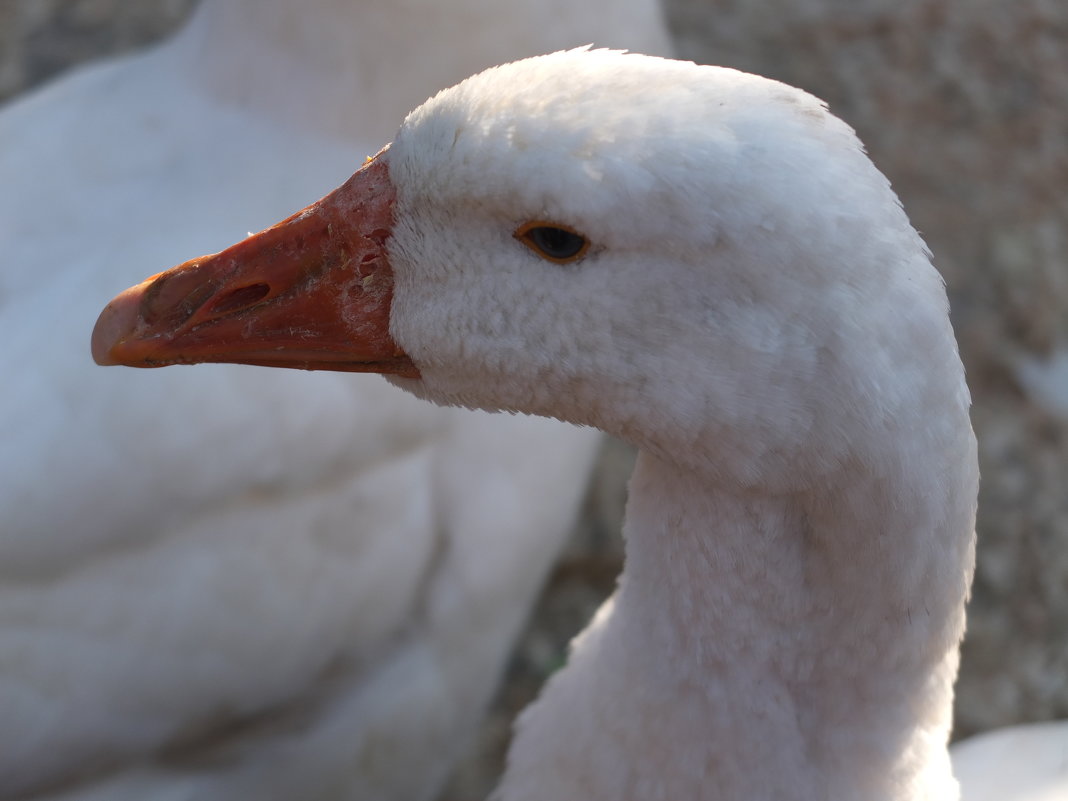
237, 583
705, 264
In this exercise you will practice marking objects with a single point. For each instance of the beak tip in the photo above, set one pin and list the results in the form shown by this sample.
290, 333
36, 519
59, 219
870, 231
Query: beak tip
115, 323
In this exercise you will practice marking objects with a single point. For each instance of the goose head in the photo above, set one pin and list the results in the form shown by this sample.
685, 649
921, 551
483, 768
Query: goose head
706, 264
700, 261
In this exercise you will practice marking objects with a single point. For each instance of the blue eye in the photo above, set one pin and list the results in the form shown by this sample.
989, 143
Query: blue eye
556, 243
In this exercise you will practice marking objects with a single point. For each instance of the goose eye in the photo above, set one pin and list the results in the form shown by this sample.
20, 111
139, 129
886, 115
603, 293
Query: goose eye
557, 243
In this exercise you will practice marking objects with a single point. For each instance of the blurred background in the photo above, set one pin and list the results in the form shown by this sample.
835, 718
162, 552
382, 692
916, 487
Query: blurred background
964, 105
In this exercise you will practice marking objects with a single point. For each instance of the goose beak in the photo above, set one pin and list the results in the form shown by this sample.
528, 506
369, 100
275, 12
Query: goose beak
313, 292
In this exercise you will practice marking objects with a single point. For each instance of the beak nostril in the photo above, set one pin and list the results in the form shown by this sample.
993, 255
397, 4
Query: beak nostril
240, 298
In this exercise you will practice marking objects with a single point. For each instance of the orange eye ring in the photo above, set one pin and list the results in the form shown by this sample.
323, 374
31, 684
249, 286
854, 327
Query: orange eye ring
560, 244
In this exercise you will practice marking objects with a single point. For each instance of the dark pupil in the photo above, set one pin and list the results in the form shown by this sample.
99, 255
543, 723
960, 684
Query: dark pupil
556, 242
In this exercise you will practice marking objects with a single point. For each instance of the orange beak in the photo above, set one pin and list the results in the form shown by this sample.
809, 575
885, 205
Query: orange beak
313, 292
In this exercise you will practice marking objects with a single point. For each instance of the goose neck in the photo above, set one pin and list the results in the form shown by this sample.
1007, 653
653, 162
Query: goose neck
816, 622
356, 67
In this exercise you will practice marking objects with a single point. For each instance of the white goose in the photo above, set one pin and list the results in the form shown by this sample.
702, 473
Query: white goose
706, 264
235, 583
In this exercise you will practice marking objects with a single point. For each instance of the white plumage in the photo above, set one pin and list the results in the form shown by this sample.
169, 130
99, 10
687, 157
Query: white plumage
1018, 763
229, 582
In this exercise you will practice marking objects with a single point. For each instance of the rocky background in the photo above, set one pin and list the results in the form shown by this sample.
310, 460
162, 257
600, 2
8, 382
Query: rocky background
964, 104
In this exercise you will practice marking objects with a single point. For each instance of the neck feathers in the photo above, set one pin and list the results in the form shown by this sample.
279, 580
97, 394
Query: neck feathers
790, 646
349, 68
